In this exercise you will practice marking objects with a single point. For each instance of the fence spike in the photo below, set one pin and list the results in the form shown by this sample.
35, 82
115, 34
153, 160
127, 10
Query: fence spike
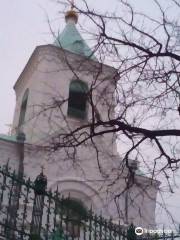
92, 227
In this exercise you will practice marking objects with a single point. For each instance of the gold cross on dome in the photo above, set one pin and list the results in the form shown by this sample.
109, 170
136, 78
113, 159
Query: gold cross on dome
42, 168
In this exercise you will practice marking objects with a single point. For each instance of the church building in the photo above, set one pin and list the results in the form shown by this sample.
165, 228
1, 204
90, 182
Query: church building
53, 100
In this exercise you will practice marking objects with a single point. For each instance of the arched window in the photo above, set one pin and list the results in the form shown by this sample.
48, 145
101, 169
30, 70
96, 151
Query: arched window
77, 102
75, 211
23, 107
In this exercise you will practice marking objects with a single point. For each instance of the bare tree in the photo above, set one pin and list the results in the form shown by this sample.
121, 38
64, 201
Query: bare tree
144, 91
145, 52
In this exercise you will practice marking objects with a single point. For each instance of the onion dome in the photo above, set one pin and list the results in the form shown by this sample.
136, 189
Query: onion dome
70, 38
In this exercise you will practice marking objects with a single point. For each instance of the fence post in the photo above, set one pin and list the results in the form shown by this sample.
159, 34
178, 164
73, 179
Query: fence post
40, 185
16, 188
21, 137
131, 235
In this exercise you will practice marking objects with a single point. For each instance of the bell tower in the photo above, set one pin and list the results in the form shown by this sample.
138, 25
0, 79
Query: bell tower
53, 98
64, 87
53, 89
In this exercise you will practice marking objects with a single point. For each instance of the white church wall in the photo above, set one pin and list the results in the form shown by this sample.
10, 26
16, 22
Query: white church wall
89, 188
48, 77
135, 205
8, 154
49, 80
141, 205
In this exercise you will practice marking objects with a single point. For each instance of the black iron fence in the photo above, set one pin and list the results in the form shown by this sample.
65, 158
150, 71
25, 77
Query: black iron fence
29, 212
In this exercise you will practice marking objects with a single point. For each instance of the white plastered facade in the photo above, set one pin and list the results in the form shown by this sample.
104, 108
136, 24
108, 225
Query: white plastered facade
47, 76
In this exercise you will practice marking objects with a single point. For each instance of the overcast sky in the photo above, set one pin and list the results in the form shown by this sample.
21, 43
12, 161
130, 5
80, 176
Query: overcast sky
23, 26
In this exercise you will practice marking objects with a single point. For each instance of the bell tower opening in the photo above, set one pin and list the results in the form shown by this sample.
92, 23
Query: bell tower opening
77, 101
23, 108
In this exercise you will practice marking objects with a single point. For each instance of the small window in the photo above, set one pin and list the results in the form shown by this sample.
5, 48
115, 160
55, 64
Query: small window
77, 102
23, 108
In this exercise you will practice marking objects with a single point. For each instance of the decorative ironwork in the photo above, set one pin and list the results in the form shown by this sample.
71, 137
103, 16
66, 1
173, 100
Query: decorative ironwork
40, 185
43, 215
15, 189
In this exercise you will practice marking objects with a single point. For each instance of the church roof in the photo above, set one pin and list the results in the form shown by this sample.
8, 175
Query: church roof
71, 40
140, 173
8, 138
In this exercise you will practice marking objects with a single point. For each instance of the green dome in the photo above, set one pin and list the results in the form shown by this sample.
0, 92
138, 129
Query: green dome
71, 40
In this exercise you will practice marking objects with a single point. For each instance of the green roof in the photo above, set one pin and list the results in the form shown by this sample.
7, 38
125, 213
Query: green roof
71, 40
140, 173
8, 138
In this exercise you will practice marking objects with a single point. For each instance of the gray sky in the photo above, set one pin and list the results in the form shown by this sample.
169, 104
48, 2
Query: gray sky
23, 26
